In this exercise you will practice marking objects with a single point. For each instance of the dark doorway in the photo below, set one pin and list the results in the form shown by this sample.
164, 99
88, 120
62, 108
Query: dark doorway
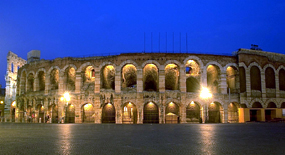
108, 113
150, 113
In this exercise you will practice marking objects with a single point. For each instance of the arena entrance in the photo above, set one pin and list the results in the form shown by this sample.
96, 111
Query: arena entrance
70, 114
255, 114
129, 114
108, 113
270, 112
193, 113
41, 113
232, 113
53, 113
88, 113
214, 112
172, 113
13, 111
150, 114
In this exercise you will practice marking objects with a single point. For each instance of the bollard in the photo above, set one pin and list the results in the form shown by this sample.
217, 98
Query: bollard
40, 120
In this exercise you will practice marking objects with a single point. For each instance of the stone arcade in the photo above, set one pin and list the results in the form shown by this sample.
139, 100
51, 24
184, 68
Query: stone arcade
136, 88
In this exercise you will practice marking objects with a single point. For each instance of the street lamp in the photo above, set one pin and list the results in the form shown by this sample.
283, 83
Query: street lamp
206, 95
66, 98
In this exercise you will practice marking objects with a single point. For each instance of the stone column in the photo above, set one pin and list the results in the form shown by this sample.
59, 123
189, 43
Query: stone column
97, 81
78, 82
223, 85
205, 113
182, 114
139, 80
161, 114
36, 84
225, 118
248, 83
47, 84
60, 84
277, 91
263, 86
98, 110
140, 114
182, 77
161, 80
118, 80
117, 105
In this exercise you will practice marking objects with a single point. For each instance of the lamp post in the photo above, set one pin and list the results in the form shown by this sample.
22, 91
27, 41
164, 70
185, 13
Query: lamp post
206, 95
66, 98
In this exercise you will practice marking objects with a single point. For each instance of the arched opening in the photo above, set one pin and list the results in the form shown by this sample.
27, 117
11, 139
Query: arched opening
23, 83
12, 67
214, 112
255, 81
54, 78
283, 105
282, 80
242, 79
41, 113
108, 113
29, 114
192, 70
269, 78
255, 114
171, 77
108, 77
88, 113
172, 113
192, 84
129, 113
53, 110
69, 76
70, 114
193, 113
88, 78
41, 78
129, 77
13, 111
233, 113
30, 86
270, 82
231, 79
150, 78
213, 78
270, 112
150, 114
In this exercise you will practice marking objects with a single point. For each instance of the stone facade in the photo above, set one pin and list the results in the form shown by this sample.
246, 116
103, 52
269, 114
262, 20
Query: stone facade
136, 88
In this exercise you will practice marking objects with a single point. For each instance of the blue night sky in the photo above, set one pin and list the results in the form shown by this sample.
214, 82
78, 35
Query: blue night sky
85, 28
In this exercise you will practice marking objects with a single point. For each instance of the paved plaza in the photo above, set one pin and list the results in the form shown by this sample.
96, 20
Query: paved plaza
250, 138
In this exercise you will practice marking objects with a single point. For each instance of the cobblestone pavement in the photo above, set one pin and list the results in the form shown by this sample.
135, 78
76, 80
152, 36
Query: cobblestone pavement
251, 138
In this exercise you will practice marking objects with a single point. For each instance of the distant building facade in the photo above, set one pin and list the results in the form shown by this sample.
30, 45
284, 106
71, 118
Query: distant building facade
137, 88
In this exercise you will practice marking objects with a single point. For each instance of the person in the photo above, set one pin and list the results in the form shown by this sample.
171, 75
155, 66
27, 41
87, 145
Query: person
47, 119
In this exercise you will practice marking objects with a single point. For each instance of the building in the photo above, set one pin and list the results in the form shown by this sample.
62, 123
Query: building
136, 88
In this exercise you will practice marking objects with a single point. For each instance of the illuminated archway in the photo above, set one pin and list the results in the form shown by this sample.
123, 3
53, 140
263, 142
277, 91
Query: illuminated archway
214, 112
41, 114
193, 113
129, 113
172, 113
70, 114
88, 113
232, 113
108, 113
150, 114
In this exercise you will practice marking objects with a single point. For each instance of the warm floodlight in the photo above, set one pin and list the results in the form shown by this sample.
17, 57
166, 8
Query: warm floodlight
66, 96
205, 93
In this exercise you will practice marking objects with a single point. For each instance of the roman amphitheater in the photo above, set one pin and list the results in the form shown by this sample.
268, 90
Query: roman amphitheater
138, 88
